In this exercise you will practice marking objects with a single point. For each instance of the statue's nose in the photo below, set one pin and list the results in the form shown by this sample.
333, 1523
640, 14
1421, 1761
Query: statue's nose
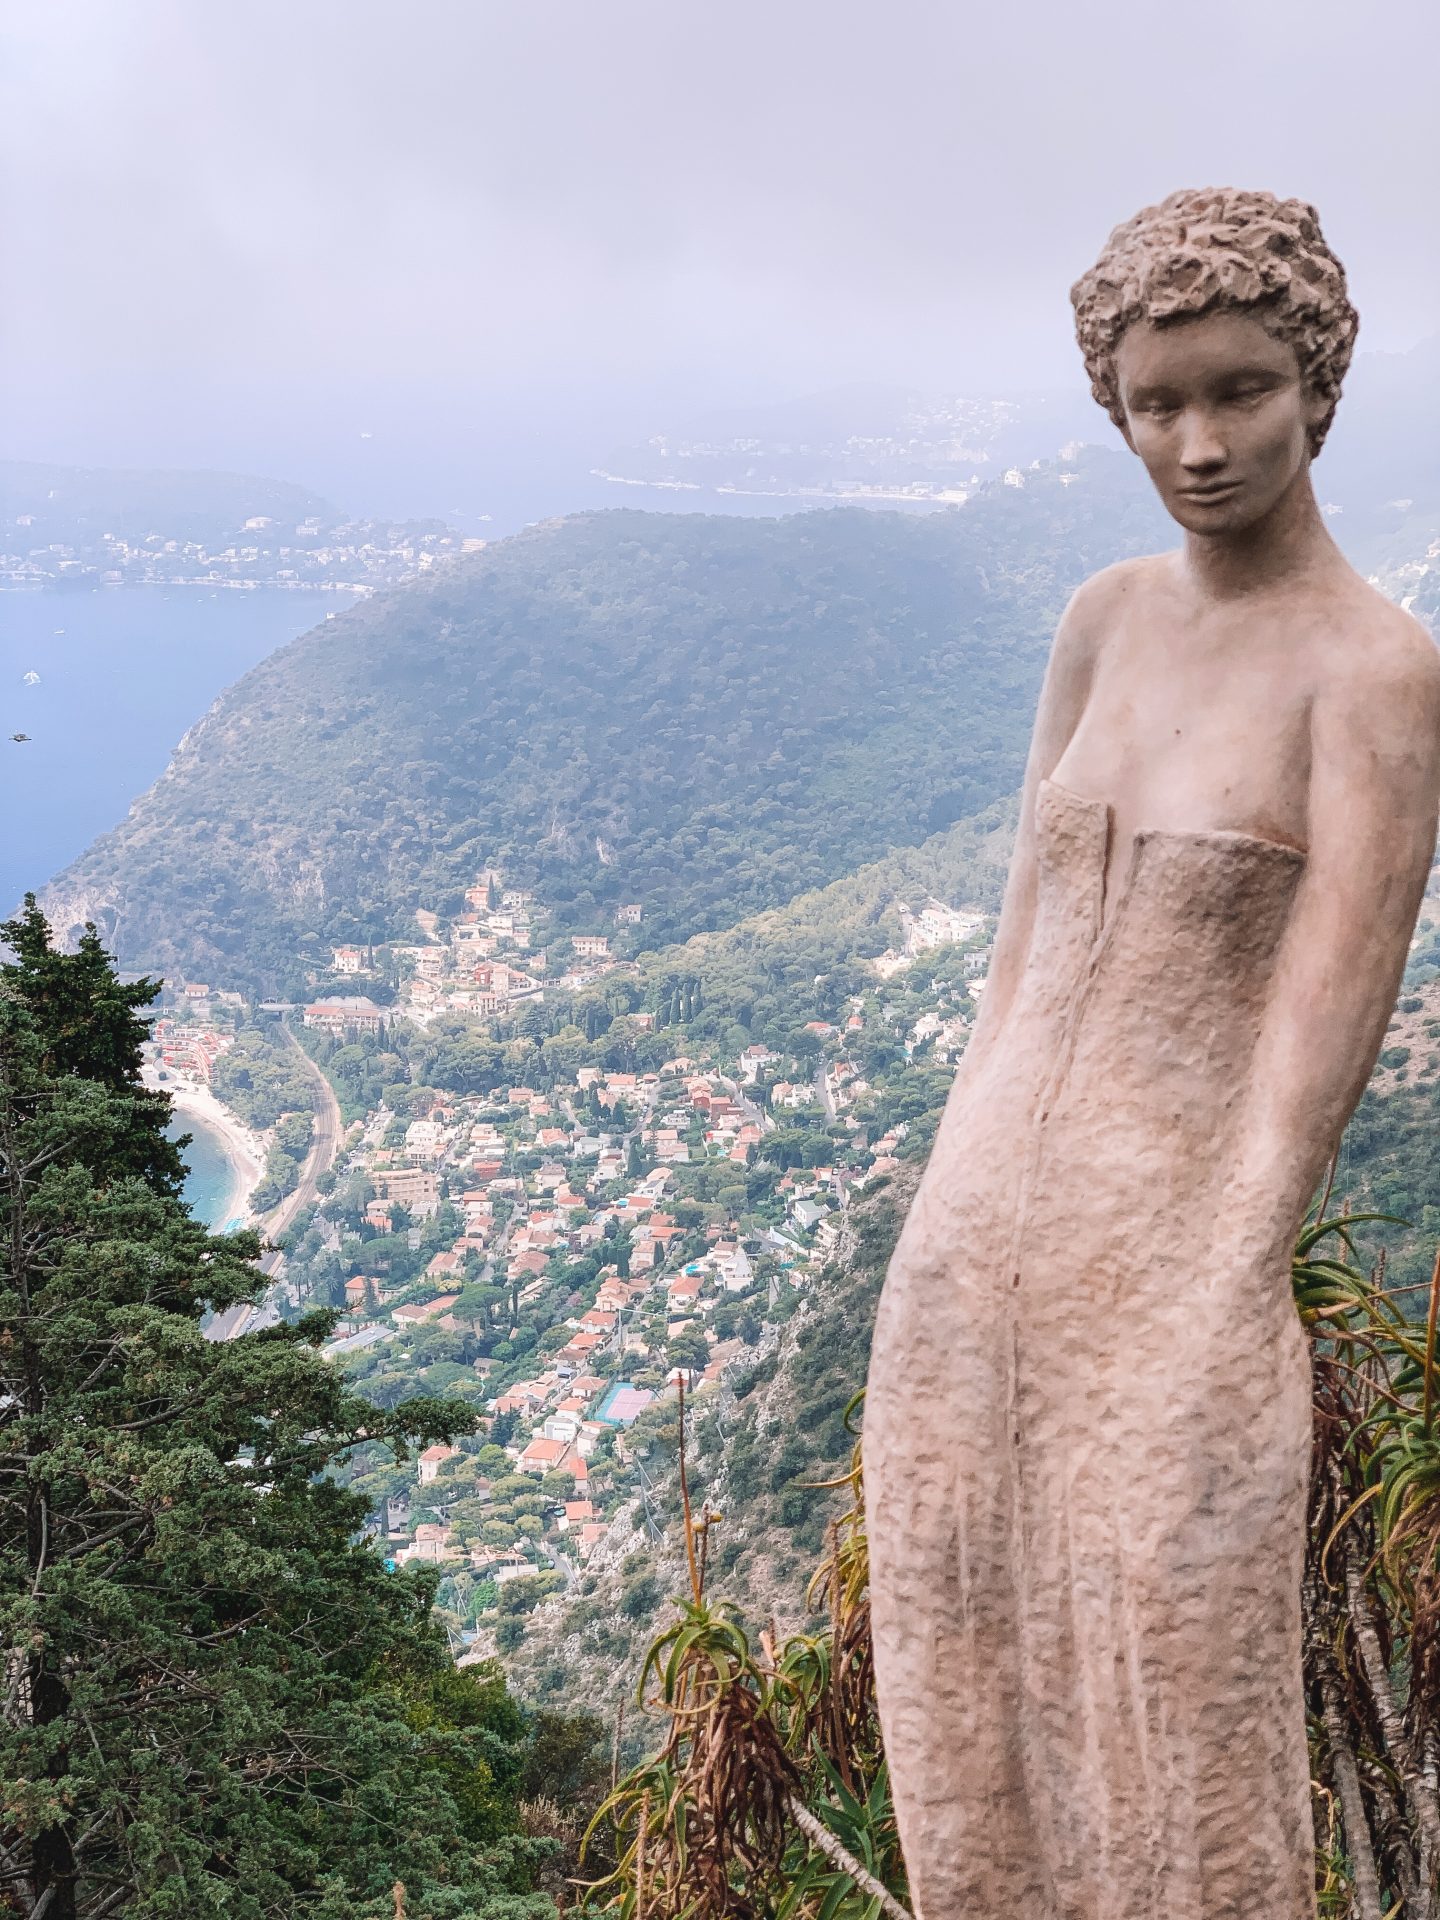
1202, 447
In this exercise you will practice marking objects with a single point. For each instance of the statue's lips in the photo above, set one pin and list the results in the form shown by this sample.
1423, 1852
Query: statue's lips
1203, 495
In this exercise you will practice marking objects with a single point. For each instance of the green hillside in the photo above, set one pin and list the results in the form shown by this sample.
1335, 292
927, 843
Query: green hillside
709, 716
776, 969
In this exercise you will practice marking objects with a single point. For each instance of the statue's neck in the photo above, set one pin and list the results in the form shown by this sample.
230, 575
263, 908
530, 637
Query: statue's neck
1290, 541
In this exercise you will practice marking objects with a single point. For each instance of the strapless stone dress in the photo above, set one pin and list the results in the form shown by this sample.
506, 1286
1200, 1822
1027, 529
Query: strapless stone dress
1087, 1428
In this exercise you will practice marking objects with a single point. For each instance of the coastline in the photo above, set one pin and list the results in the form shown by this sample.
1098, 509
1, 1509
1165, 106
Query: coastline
243, 1148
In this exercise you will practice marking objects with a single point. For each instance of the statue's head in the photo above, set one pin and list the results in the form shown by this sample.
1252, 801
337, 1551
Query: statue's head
1216, 331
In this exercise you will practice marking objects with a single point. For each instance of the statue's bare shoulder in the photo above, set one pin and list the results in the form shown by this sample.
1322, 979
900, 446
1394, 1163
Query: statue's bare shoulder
1099, 603
1090, 619
1379, 671
1099, 598
1403, 650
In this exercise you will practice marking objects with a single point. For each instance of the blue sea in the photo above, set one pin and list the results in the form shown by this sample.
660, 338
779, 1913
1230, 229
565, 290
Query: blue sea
207, 1189
119, 674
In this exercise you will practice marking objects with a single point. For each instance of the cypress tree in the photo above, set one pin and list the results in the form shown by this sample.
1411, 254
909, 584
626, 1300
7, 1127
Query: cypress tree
220, 1701
87, 1023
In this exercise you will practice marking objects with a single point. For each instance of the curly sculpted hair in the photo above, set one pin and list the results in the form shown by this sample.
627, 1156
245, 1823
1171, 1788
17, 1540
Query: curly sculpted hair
1212, 249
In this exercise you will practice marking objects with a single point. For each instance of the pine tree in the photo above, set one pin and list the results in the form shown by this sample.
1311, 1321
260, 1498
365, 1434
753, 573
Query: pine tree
218, 1698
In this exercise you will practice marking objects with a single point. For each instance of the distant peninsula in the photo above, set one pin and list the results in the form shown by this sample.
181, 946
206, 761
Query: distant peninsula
63, 528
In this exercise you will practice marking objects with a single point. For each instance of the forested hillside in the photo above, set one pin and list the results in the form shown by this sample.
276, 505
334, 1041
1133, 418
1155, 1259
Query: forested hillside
771, 972
708, 716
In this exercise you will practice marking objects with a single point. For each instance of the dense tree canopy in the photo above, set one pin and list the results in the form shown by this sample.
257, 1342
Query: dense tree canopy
219, 1699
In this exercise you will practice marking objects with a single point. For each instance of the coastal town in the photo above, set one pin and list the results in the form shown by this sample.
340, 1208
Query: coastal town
563, 1233
895, 448
320, 553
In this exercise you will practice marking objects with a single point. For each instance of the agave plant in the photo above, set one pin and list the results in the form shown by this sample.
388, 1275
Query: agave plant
769, 1795
1372, 1589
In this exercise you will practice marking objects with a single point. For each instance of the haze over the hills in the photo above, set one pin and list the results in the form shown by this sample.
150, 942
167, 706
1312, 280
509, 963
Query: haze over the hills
420, 264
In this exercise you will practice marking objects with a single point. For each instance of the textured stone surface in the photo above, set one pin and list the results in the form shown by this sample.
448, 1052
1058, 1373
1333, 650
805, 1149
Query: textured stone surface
1087, 1425
1086, 1435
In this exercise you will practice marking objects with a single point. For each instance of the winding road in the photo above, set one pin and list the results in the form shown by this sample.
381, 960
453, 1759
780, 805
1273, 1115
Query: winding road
822, 1090
324, 1145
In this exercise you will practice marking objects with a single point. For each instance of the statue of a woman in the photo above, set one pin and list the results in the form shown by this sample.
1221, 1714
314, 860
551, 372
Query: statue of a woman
1087, 1430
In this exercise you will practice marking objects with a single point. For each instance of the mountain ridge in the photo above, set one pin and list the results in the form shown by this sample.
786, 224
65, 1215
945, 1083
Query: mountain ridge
706, 714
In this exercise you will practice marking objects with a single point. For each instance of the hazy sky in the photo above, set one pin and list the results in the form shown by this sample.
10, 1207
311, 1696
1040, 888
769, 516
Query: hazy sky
242, 233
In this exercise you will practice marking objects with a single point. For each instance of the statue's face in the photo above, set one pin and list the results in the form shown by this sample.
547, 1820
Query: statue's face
1216, 409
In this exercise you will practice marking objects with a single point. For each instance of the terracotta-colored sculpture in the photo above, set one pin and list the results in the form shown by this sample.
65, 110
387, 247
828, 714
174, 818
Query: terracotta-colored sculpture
1087, 1429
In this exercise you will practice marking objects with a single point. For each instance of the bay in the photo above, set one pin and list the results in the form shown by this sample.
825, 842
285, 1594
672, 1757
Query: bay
119, 675
208, 1180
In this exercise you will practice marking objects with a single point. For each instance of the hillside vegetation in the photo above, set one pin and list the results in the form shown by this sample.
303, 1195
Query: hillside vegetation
706, 715
777, 969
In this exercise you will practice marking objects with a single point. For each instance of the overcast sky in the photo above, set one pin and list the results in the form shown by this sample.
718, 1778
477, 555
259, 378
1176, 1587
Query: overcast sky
236, 233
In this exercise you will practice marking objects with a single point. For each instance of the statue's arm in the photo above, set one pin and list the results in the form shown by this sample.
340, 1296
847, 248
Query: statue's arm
1063, 696
1374, 787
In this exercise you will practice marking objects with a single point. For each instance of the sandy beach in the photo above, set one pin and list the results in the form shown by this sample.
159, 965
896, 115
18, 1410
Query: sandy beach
244, 1149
